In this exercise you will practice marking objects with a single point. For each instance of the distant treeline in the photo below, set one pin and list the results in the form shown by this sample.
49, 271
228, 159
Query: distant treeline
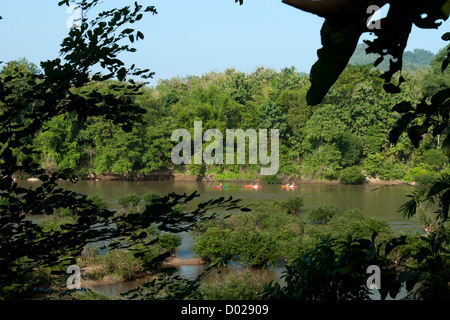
418, 59
345, 137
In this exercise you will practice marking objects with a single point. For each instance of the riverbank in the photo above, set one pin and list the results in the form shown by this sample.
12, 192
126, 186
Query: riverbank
167, 176
140, 277
370, 199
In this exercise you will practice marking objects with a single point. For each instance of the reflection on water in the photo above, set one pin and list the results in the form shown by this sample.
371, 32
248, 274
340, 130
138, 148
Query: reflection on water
374, 200
185, 251
191, 272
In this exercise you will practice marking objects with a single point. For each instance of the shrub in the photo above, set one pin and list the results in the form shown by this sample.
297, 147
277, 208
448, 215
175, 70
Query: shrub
55, 221
377, 166
99, 201
150, 197
335, 270
434, 158
290, 169
213, 244
128, 264
426, 179
90, 295
354, 222
352, 175
421, 175
397, 171
322, 214
411, 247
293, 204
373, 163
63, 212
130, 200
260, 237
82, 172
270, 179
256, 248
169, 242
244, 285
117, 264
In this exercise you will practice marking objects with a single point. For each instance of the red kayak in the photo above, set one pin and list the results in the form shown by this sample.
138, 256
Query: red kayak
219, 187
289, 186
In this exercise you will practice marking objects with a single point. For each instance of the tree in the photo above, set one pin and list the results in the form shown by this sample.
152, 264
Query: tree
344, 23
273, 118
336, 270
436, 79
51, 94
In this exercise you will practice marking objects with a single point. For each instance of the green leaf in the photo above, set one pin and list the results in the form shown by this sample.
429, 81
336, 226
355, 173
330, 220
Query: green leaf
396, 132
445, 63
403, 107
337, 50
440, 97
128, 31
191, 196
394, 243
445, 204
415, 134
391, 88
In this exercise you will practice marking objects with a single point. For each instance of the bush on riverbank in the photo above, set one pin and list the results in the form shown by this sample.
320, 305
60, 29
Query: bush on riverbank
133, 201
116, 264
258, 237
123, 264
293, 204
322, 214
352, 175
270, 233
243, 285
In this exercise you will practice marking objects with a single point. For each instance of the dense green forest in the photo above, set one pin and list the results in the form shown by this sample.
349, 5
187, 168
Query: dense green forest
66, 119
343, 138
418, 59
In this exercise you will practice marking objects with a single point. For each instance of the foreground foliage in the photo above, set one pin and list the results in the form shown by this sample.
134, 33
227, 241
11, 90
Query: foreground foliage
29, 101
65, 94
272, 232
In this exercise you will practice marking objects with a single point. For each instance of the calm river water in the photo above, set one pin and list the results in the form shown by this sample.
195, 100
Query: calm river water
375, 200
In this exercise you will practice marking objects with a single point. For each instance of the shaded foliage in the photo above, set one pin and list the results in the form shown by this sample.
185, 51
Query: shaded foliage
55, 92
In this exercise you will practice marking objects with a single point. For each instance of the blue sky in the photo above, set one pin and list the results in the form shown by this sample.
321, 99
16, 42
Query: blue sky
189, 37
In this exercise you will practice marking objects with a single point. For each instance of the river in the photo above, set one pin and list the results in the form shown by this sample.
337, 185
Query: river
373, 199
376, 200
